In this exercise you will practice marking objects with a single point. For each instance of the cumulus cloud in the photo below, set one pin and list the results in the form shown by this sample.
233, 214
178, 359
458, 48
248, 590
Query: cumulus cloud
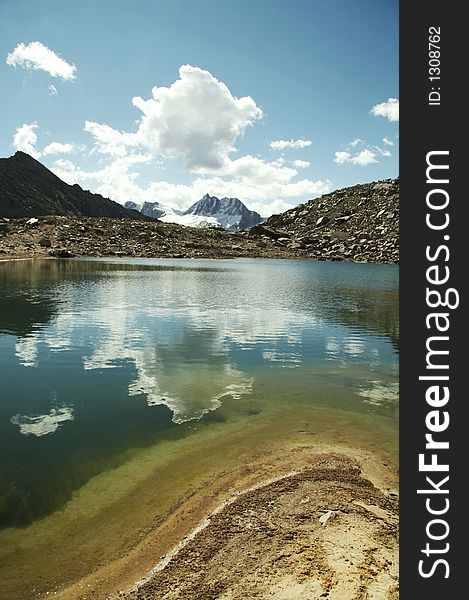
58, 148
365, 156
36, 56
196, 117
199, 119
389, 109
261, 185
25, 139
109, 140
301, 164
388, 142
257, 171
383, 151
284, 144
342, 157
362, 158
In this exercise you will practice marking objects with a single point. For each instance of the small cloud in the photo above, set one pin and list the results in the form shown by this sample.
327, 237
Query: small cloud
25, 139
388, 142
363, 158
278, 162
389, 109
342, 157
53, 90
355, 142
36, 56
58, 148
284, 144
382, 151
301, 164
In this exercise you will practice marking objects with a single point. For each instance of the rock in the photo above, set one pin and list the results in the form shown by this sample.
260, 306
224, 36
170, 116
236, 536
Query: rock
62, 253
322, 221
266, 231
32, 221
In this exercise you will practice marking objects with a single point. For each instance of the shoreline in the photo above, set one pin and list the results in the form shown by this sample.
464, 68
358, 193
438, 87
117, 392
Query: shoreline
100, 237
357, 484
181, 558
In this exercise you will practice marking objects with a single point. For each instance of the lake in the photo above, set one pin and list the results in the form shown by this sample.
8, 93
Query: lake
145, 374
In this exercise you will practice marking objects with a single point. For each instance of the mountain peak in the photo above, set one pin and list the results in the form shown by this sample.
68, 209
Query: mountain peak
231, 213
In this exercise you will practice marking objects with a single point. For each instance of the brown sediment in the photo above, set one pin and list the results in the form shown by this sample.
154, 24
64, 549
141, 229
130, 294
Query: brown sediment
270, 542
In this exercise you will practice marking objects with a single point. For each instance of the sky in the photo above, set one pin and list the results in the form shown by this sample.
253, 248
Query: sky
271, 101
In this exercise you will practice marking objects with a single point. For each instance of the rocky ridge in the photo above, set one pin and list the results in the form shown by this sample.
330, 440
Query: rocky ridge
358, 223
29, 189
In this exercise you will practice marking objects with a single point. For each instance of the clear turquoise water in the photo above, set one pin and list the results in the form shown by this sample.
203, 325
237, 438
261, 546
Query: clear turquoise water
99, 357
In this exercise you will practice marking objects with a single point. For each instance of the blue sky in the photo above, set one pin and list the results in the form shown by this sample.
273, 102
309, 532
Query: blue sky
272, 101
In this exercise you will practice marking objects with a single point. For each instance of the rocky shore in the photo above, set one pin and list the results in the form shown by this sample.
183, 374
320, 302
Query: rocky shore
67, 237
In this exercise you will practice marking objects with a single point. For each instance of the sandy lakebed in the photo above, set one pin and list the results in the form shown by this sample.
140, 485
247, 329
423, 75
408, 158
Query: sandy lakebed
327, 529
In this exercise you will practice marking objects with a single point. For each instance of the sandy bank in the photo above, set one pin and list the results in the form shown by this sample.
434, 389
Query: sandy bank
269, 541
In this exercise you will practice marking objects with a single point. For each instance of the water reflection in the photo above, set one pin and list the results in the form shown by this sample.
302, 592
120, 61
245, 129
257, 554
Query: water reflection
99, 357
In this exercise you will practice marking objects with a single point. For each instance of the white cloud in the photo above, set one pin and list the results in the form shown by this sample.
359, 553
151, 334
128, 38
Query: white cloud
36, 56
383, 151
25, 139
260, 185
199, 119
389, 109
109, 140
284, 144
342, 157
256, 171
196, 117
278, 162
356, 142
52, 90
58, 148
301, 164
43, 424
388, 142
363, 158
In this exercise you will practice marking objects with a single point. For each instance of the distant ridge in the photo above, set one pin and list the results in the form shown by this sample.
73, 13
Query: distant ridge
29, 189
209, 211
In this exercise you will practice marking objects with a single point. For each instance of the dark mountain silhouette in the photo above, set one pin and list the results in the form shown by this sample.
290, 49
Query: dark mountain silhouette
29, 189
